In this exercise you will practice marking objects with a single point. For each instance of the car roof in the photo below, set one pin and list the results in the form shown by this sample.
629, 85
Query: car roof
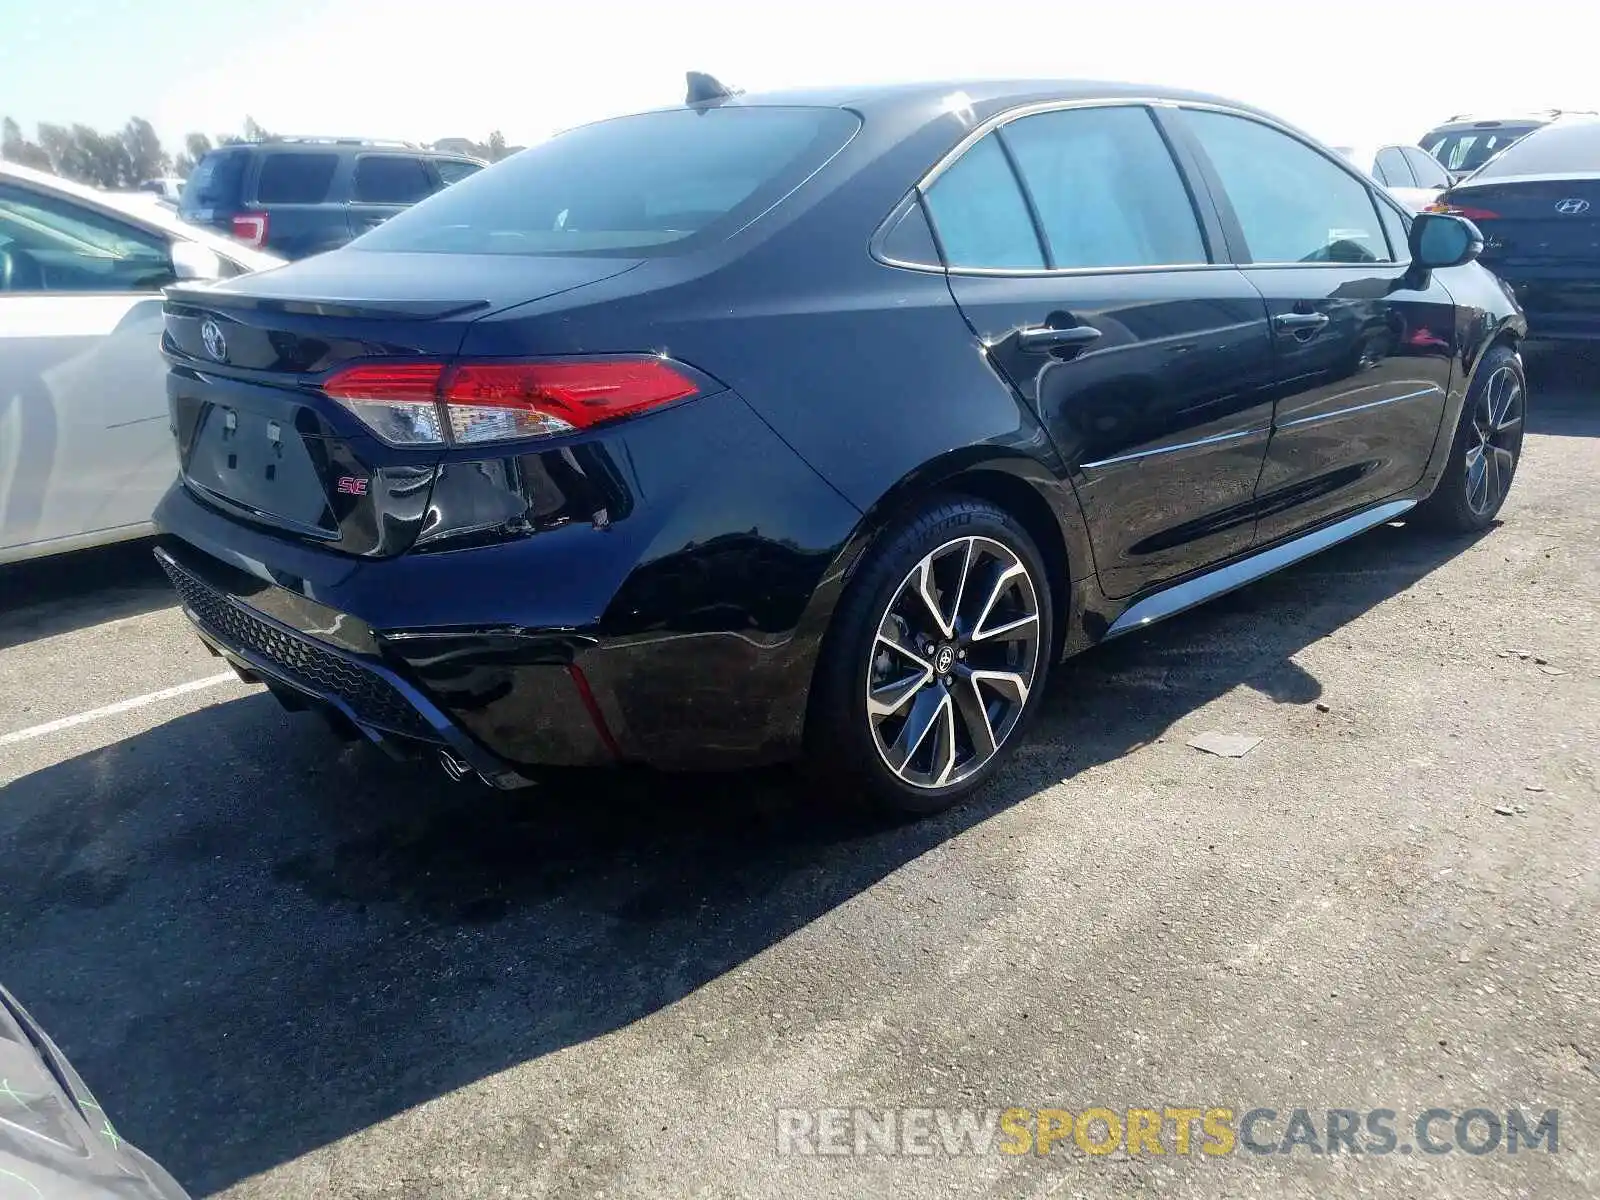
995, 94
340, 145
135, 208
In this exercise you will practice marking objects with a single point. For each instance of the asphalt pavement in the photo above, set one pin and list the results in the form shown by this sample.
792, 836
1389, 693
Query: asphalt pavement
291, 968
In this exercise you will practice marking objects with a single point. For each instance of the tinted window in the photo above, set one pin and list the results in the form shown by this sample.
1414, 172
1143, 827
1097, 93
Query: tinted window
454, 170
634, 185
1558, 149
980, 215
215, 180
1470, 149
391, 179
1293, 203
1429, 174
1391, 169
1398, 229
48, 244
1106, 189
295, 178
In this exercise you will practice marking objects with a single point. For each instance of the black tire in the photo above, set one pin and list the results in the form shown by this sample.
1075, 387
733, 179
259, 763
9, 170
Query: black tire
982, 651
1486, 449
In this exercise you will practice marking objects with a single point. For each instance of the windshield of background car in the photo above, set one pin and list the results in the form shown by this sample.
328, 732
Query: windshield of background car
644, 184
1471, 148
1555, 150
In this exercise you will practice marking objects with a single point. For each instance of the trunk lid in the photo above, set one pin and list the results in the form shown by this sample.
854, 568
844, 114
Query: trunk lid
256, 437
1534, 219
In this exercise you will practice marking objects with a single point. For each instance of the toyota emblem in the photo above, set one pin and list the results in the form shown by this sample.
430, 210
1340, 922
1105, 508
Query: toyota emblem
1572, 207
216, 344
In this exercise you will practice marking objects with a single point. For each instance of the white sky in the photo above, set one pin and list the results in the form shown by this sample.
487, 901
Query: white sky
1350, 71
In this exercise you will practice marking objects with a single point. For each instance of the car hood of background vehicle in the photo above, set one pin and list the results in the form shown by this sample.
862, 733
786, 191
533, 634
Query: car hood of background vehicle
353, 282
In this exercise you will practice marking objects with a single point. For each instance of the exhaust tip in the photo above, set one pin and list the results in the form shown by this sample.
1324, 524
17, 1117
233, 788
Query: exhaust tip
455, 767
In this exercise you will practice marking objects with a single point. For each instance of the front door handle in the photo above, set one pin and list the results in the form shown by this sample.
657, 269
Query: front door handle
1043, 337
1299, 322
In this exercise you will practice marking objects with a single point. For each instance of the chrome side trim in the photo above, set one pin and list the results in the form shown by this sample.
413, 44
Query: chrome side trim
1205, 441
1430, 390
1224, 579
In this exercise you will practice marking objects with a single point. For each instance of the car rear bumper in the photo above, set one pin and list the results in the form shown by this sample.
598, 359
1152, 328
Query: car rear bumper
1560, 302
305, 671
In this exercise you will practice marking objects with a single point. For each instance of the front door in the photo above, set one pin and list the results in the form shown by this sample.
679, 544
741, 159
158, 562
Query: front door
1078, 257
1363, 347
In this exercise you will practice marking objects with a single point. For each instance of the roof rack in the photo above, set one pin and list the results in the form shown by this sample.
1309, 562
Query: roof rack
315, 139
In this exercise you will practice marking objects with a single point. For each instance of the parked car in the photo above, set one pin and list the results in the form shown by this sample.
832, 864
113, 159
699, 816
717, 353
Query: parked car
169, 189
300, 196
1465, 142
85, 451
737, 432
1412, 176
1538, 205
55, 1139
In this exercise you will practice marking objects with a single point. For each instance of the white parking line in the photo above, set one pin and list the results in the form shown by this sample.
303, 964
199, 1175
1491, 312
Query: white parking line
110, 710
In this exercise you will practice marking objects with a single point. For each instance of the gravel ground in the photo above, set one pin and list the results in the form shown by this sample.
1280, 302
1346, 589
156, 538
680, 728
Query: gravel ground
292, 969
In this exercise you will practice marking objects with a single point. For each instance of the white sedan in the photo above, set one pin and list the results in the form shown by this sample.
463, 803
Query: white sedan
1409, 173
85, 451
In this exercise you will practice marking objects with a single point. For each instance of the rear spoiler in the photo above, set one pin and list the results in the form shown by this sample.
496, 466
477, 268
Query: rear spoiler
205, 297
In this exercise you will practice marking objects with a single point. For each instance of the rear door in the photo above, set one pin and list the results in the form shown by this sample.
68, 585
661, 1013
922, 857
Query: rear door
385, 184
84, 447
1080, 258
1363, 349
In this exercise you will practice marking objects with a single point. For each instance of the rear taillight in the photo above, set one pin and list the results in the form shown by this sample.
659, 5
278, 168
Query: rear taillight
432, 403
250, 228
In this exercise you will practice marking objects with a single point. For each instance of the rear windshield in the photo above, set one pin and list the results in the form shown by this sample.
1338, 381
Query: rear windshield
215, 180
295, 178
634, 185
1559, 149
1469, 149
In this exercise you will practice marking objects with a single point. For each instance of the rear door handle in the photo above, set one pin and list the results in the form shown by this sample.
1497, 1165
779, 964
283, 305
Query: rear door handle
1299, 322
1043, 337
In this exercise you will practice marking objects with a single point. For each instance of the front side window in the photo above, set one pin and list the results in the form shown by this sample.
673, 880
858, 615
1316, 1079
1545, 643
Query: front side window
454, 170
1429, 173
390, 179
48, 244
979, 214
653, 183
1294, 205
1106, 189
294, 178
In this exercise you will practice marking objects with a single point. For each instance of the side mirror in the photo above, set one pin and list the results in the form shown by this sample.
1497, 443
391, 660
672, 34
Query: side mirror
193, 262
1439, 240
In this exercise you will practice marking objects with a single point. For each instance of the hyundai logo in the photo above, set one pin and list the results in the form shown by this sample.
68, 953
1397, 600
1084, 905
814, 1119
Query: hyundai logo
216, 344
1573, 207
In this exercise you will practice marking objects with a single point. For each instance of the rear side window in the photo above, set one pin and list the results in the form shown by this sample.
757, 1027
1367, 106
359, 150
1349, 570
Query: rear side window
654, 183
1293, 204
215, 180
1558, 149
391, 179
980, 215
1106, 189
1391, 168
294, 178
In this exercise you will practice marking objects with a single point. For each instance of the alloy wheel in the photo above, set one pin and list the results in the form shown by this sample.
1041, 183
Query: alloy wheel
953, 662
1493, 441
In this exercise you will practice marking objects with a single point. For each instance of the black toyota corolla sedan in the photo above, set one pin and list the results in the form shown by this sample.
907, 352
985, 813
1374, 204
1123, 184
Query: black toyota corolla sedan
816, 425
